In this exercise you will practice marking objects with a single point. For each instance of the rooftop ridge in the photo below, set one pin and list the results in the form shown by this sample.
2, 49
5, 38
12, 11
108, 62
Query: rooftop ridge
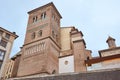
51, 3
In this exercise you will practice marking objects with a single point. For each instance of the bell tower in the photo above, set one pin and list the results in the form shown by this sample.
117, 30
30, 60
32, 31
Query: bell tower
42, 42
111, 42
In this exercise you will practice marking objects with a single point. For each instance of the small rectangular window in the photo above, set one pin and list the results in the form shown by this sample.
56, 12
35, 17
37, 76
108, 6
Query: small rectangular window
7, 36
1, 32
3, 43
2, 53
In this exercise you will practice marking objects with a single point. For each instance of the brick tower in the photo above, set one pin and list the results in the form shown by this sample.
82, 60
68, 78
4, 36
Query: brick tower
42, 42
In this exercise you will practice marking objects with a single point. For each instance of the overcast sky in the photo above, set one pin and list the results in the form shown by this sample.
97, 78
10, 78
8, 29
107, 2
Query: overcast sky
97, 19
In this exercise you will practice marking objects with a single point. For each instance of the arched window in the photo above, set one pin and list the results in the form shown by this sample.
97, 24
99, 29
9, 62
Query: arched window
35, 19
43, 15
40, 33
33, 35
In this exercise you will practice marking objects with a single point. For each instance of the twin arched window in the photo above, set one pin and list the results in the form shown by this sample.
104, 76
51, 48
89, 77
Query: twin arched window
40, 33
33, 35
42, 16
35, 19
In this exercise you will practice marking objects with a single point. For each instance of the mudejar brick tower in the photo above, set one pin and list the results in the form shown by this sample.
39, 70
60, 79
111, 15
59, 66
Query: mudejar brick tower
41, 47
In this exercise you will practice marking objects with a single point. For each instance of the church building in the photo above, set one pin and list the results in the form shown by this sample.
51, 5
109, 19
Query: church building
49, 48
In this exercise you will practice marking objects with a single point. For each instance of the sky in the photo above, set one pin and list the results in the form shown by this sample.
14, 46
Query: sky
97, 19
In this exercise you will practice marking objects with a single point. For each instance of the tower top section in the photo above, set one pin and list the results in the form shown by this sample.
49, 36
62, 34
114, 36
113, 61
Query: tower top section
111, 42
110, 38
49, 4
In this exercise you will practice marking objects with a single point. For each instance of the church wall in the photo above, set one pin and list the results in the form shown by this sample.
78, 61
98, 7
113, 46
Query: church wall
65, 39
66, 64
34, 58
79, 56
52, 59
